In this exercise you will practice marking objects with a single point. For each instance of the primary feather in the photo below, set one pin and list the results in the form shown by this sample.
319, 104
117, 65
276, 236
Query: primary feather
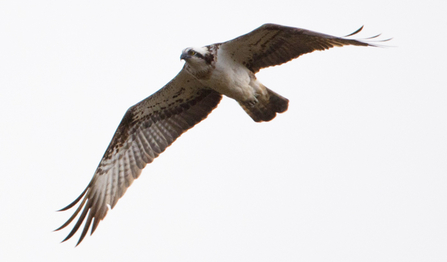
153, 124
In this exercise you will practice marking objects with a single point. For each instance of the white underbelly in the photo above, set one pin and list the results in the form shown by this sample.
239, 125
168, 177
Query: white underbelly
232, 80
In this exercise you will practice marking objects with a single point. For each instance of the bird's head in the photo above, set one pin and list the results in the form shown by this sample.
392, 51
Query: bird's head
198, 59
191, 53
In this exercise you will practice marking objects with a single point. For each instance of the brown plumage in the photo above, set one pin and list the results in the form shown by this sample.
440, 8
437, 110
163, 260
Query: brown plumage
267, 107
153, 124
146, 130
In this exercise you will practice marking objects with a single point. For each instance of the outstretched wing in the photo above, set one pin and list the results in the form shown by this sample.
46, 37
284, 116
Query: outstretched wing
145, 131
273, 44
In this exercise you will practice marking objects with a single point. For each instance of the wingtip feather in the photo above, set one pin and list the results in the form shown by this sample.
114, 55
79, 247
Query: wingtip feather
75, 201
355, 32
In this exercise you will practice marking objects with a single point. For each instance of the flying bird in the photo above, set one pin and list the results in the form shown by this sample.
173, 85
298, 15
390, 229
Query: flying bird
153, 124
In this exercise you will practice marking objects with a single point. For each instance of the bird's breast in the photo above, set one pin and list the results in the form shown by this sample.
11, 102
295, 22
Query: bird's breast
231, 79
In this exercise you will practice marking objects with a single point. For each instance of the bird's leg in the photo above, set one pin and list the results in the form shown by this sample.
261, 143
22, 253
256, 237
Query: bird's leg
251, 102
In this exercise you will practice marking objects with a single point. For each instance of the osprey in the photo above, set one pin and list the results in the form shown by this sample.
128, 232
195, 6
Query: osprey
153, 124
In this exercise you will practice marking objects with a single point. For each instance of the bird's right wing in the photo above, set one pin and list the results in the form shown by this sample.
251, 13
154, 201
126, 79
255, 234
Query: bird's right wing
145, 131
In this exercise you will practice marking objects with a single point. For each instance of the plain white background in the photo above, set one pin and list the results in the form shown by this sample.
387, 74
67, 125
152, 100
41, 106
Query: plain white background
355, 170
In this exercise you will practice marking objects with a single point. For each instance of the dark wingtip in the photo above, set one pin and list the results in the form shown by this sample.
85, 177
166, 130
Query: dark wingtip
75, 201
372, 37
358, 30
376, 42
75, 214
369, 41
385, 40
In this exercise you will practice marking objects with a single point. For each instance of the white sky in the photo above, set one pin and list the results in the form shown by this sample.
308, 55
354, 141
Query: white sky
355, 170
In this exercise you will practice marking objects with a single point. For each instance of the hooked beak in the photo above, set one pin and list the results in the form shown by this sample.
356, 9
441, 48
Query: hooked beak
184, 56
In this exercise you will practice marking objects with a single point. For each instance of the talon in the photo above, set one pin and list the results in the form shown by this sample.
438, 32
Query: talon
251, 103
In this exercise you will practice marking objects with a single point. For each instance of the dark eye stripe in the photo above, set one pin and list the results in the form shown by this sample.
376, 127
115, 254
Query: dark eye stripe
208, 58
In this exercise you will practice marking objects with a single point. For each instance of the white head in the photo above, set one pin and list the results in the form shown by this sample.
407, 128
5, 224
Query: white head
199, 60
194, 51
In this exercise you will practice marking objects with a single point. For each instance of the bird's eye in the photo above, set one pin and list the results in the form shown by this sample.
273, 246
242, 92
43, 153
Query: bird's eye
191, 52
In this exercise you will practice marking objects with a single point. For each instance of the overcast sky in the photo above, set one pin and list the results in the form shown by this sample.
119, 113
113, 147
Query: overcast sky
355, 170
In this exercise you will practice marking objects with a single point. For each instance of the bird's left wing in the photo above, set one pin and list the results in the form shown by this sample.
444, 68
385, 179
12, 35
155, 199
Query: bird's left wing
272, 44
145, 131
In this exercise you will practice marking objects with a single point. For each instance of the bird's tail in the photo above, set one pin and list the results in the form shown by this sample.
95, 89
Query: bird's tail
266, 107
